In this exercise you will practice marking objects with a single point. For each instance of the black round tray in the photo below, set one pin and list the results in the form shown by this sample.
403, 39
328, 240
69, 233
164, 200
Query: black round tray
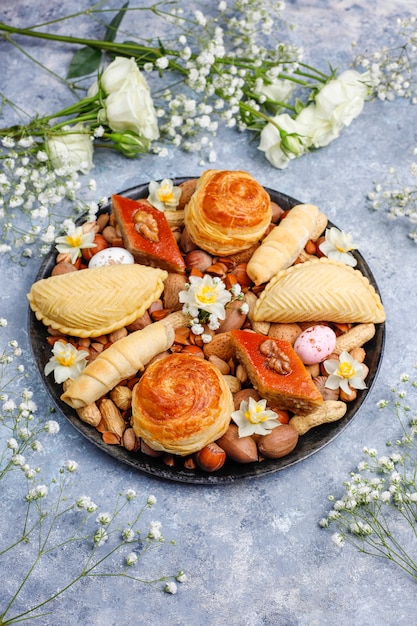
308, 444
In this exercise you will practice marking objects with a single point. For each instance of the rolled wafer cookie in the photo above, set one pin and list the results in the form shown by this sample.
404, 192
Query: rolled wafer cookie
123, 359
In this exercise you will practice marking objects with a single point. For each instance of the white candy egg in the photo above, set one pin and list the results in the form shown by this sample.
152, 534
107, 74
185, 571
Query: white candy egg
315, 344
111, 256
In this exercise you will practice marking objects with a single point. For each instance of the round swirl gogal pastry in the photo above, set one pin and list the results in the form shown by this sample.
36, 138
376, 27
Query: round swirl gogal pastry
228, 212
180, 404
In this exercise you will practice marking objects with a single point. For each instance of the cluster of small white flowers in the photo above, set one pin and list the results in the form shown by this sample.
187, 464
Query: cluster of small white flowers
396, 199
31, 189
155, 531
86, 503
100, 536
128, 535
224, 61
71, 466
103, 519
51, 427
38, 492
18, 419
383, 488
18, 416
393, 67
131, 558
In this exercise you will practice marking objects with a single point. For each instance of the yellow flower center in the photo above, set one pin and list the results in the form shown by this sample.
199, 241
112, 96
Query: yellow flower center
346, 370
206, 295
74, 240
254, 416
67, 359
165, 194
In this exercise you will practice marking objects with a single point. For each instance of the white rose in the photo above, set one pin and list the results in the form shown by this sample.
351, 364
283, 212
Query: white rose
131, 108
342, 99
319, 130
279, 152
115, 75
72, 147
279, 90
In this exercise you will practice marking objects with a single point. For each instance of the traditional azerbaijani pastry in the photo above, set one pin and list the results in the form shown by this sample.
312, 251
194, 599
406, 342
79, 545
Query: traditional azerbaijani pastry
276, 372
147, 234
180, 404
122, 359
94, 302
228, 212
319, 290
283, 244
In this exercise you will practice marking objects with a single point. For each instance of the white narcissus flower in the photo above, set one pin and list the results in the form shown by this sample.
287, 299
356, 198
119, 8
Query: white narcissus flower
344, 372
164, 195
129, 105
206, 294
71, 147
280, 151
74, 241
66, 362
254, 418
338, 246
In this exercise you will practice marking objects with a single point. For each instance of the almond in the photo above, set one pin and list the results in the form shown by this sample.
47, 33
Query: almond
221, 345
173, 284
220, 364
285, 331
233, 383
234, 319
130, 441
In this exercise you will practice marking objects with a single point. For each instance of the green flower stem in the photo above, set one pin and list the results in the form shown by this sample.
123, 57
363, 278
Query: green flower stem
109, 46
134, 49
38, 127
247, 107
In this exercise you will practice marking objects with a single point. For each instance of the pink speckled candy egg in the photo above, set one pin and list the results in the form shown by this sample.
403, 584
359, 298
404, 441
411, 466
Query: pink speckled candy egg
315, 344
111, 256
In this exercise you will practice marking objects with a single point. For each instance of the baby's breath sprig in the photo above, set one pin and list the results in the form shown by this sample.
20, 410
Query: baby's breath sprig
109, 544
397, 199
380, 498
229, 66
48, 518
31, 192
394, 66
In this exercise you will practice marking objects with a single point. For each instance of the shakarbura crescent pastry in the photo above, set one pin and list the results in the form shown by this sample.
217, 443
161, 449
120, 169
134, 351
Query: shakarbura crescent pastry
180, 404
94, 302
228, 212
319, 290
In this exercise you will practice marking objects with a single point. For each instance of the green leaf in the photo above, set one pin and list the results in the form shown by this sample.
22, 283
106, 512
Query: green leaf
161, 45
113, 27
85, 61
